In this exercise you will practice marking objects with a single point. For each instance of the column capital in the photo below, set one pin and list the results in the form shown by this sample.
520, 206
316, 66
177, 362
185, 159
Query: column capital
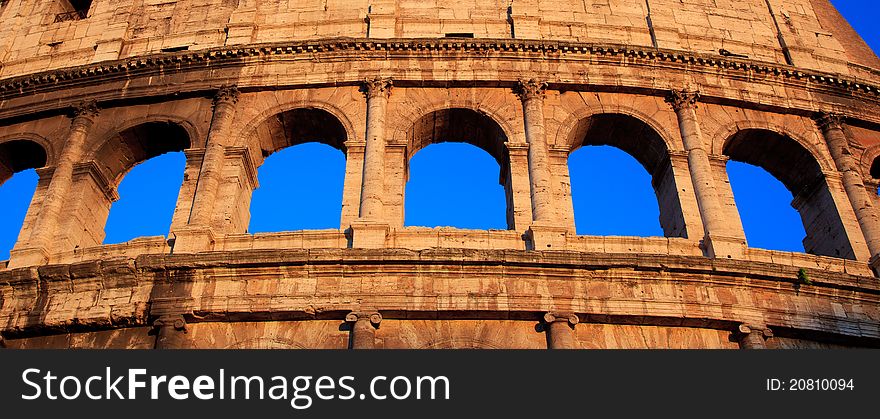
226, 95
177, 322
87, 109
372, 316
744, 329
683, 99
827, 121
531, 89
377, 87
567, 317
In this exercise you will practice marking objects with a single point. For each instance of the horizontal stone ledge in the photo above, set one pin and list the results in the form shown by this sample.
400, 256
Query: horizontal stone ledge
849, 337
167, 64
149, 268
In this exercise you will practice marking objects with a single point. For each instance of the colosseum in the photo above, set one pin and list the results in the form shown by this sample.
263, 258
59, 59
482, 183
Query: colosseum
91, 88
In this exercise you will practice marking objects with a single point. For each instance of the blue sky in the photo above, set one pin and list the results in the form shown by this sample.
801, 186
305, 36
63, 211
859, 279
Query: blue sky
450, 185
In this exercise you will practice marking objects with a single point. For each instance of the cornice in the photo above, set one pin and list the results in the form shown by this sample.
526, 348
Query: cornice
324, 49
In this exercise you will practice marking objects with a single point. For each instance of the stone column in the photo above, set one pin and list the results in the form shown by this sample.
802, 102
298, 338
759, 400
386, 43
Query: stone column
838, 144
199, 234
371, 228
560, 330
363, 329
546, 232
751, 337
171, 333
716, 240
40, 244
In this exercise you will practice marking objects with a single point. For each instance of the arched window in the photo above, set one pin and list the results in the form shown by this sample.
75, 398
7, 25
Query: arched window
796, 168
144, 165
18, 181
465, 194
302, 176
452, 184
764, 204
300, 189
148, 194
610, 194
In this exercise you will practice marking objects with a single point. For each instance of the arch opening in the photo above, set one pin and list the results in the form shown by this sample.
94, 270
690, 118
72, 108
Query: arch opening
300, 126
18, 186
302, 174
145, 165
444, 168
20, 155
799, 171
644, 144
313, 200
627, 205
875, 168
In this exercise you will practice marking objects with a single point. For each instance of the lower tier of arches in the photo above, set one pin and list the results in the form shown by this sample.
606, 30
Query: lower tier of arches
434, 298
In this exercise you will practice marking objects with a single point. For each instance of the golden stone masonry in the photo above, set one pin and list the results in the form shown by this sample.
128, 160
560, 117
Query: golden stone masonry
88, 89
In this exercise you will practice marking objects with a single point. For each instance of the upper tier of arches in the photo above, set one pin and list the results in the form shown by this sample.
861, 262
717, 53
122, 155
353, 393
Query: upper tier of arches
490, 118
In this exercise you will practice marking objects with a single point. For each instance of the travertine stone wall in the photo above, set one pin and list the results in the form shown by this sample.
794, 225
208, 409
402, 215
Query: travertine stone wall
810, 32
683, 86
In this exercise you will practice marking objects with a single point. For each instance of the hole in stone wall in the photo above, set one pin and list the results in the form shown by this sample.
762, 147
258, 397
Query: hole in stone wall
300, 189
765, 208
72, 10
148, 195
456, 185
639, 141
16, 195
612, 194
18, 181
798, 170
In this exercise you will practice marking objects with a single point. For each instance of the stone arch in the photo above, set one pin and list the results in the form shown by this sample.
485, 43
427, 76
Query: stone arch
22, 152
565, 130
133, 142
463, 125
647, 145
298, 126
98, 176
724, 133
249, 131
289, 125
797, 167
870, 163
400, 129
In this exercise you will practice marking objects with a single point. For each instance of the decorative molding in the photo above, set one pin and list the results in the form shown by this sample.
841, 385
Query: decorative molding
91, 169
827, 121
181, 61
87, 109
683, 99
552, 317
531, 89
244, 154
373, 316
175, 321
377, 87
227, 95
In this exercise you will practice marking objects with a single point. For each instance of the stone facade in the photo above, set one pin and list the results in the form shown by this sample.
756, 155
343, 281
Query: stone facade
89, 89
